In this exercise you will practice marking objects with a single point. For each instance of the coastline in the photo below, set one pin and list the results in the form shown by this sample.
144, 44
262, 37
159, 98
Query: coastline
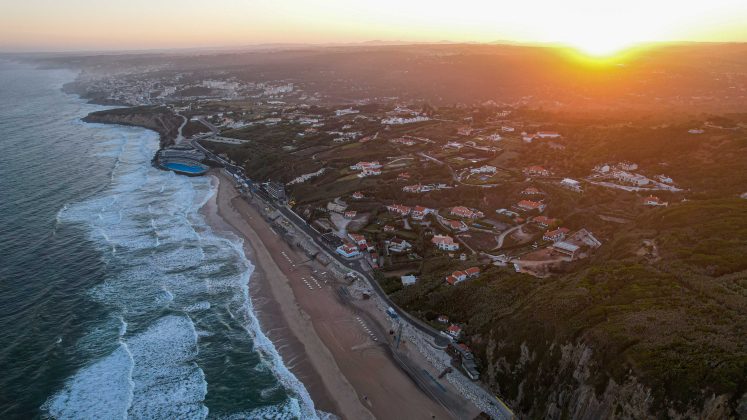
338, 351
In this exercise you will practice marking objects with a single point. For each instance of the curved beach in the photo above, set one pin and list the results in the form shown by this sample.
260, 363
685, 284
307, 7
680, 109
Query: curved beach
336, 350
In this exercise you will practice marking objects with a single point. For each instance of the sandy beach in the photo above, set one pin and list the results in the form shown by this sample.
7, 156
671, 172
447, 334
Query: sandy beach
336, 349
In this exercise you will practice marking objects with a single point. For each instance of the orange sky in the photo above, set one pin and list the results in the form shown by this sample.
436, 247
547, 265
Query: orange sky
595, 26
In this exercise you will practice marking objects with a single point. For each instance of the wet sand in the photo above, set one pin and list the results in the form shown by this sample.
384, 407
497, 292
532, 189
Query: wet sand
335, 349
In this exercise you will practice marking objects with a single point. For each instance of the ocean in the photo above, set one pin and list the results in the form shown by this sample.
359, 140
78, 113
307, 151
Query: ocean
117, 300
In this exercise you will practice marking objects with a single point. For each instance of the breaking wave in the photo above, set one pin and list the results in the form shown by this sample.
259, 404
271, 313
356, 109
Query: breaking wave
178, 298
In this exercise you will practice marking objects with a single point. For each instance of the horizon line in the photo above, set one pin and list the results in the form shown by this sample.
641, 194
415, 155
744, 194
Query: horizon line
369, 43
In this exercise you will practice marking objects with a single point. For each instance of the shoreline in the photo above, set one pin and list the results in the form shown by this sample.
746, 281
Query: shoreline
336, 348
280, 318
364, 380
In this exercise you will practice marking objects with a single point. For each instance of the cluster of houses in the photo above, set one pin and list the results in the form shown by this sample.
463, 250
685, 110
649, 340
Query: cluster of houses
404, 120
623, 172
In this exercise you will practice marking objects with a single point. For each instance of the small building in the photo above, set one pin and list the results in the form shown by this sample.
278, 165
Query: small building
369, 172
398, 245
472, 272
419, 212
627, 166
398, 209
408, 280
360, 166
348, 250
358, 195
454, 330
654, 201
544, 221
389, 228
485, 169
445, 243
276, 190
536, 171
350, 214
455, 225
566, 248
358, 240
555, 235
532, 191
630, 178
571, 184
442, 319
548, 135
529, 205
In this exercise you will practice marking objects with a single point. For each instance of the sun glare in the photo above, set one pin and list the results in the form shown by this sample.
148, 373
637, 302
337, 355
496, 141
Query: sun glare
599, 48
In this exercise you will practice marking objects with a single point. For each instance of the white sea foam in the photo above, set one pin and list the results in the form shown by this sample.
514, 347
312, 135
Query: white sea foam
155, 370
82, 396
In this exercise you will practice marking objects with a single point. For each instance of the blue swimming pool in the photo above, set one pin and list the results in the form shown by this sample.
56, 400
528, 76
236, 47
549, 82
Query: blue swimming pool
187, 169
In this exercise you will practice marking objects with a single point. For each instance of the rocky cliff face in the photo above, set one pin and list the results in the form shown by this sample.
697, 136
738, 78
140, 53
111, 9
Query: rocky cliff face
158, 119
562, 384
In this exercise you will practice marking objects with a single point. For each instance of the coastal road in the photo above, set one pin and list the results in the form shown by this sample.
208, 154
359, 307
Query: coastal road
353, 266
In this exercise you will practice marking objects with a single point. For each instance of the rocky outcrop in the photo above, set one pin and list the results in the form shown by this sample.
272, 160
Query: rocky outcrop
565, 384
159, 119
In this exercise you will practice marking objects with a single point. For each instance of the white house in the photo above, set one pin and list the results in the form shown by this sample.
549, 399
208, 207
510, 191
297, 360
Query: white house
360, 166
369, 172
398, 245
419, 212
630, 178
555, 235
486, 169
445, 243
408, 280
571, 184
547, 135
654, 201
346, 111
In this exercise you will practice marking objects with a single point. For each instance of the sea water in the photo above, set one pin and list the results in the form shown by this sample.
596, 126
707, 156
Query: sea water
117, 300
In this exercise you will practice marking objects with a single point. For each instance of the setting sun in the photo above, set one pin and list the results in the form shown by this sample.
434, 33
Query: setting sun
600, 47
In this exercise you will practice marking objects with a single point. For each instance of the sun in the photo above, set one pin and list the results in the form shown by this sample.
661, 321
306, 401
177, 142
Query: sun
600, 48
602, 38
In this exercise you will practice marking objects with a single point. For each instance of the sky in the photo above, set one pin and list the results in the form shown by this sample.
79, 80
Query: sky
594, 26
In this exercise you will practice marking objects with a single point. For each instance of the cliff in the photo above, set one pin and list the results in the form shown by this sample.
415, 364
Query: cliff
157, 118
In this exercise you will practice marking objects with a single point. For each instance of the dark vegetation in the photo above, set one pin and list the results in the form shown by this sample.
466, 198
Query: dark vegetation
677, 323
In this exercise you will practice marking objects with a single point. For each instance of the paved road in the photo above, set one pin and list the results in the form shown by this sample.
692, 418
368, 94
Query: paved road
503, 235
